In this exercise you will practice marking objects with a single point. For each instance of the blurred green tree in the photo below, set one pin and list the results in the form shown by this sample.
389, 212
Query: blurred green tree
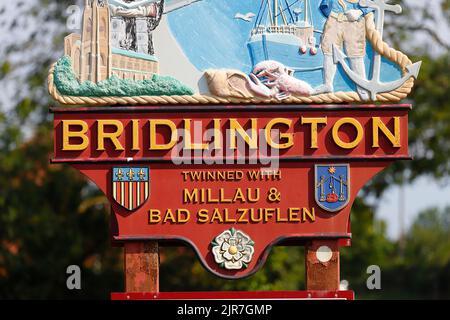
423, 272
50, 219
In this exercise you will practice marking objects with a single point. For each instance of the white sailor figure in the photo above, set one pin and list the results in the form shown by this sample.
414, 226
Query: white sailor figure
345, 27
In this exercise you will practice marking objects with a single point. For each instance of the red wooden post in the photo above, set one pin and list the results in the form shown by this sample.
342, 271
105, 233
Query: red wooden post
141, 266
322, 265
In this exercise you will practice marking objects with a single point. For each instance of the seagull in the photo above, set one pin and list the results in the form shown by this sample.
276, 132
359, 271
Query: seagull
246, 17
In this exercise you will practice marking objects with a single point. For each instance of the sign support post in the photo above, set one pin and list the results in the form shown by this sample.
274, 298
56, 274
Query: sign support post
141, 263
322, 270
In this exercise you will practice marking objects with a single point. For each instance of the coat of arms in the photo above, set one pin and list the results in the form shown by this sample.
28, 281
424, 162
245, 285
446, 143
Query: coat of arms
131, 186
332, 186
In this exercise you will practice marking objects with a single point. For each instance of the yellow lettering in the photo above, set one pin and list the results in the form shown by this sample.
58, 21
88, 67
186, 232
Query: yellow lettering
286, 136
243, 215
202, 216
217, 134
359, 133
222, 197
216, 216
257, 218
169, 216
314, 122
113, 136
394, 138
268, 213
190, 197
251, 140
280, 218
173, 136
67, 134
293, 214
135, 137
154, 216
311, 214
181, 213
238, 195
252, 198
227, 218
188, 138
210, 198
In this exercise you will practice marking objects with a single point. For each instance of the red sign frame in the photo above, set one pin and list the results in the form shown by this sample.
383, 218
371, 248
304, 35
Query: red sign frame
300, 220
236, 295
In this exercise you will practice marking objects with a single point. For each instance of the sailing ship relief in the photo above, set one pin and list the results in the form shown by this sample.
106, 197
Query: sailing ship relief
232, 51
318, 51
284, 32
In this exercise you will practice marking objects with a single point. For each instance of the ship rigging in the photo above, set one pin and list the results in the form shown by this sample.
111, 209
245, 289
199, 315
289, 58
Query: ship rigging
281, 17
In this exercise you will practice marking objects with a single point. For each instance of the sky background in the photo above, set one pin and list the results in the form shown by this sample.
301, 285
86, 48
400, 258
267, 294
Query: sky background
422, 194
418, 196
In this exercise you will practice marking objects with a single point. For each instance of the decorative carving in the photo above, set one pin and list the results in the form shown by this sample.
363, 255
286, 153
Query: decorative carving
233, 249
293, 54
270, 79
229, 83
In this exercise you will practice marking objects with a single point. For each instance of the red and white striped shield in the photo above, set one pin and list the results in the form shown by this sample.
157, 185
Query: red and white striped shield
131, 186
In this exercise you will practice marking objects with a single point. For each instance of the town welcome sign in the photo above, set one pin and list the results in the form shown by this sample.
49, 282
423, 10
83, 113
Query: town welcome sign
231, 150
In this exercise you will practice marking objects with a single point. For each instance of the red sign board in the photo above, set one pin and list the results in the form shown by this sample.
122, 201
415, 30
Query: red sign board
231, 181
236, 295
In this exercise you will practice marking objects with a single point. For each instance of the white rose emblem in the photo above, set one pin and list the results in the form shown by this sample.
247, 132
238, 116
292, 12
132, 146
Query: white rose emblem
233, 249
